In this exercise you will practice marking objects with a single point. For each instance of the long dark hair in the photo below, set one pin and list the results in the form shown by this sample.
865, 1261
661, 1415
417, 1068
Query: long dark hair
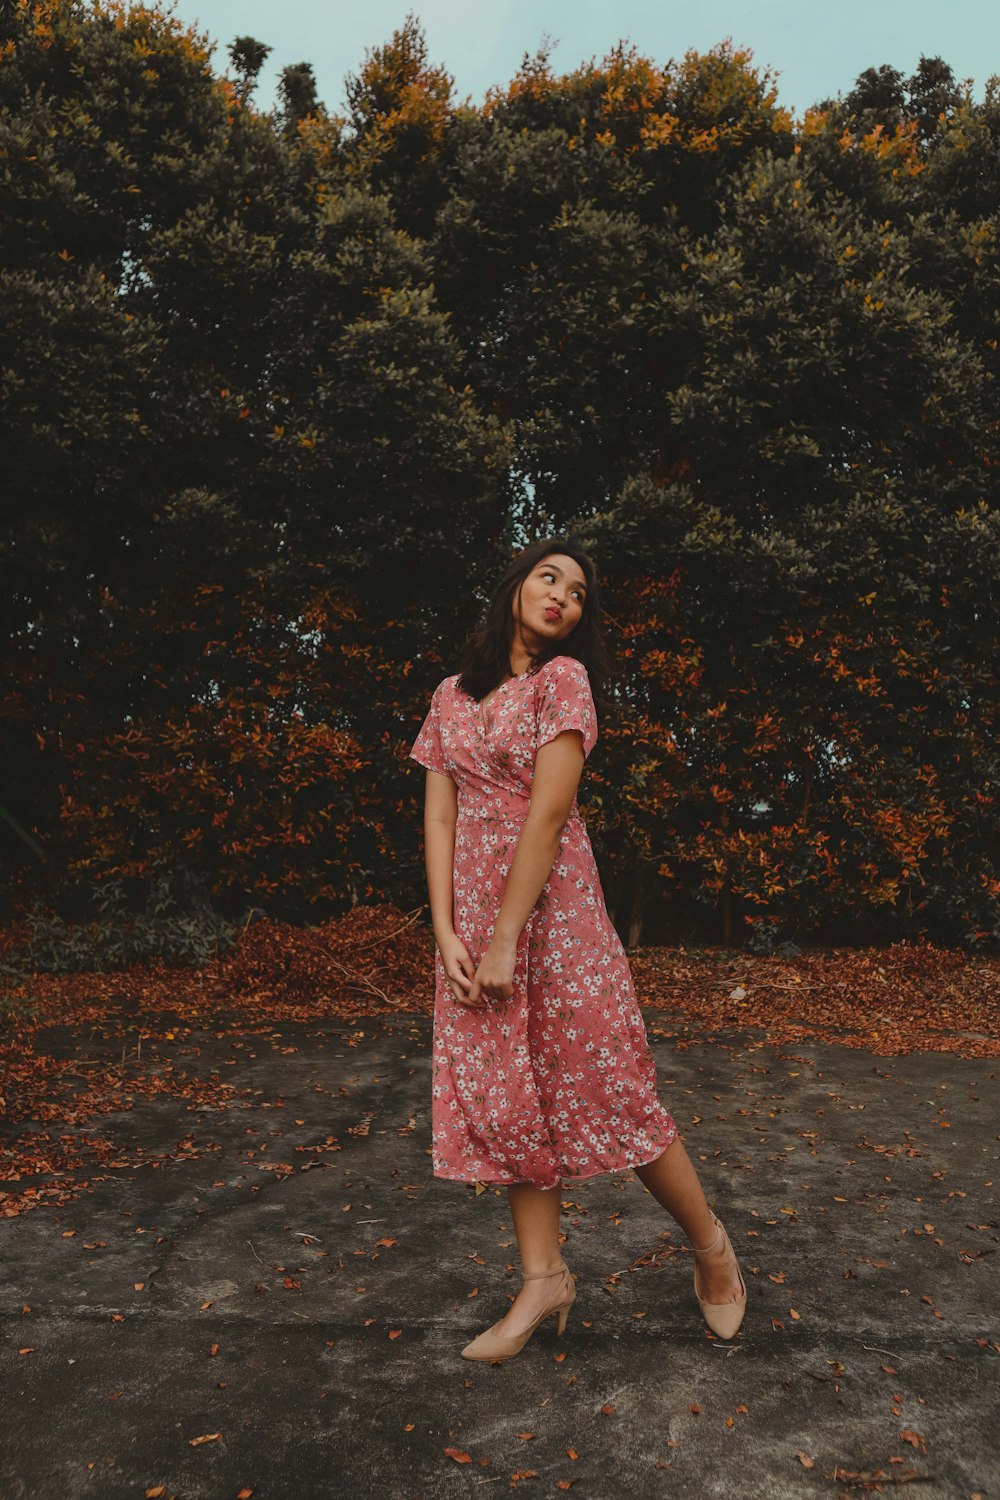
485, 658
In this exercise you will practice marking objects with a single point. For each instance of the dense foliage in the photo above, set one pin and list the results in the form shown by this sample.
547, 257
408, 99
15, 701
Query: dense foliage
283, 391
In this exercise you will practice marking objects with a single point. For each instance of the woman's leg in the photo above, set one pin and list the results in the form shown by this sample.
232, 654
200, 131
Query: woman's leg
673, 1182
535, 1212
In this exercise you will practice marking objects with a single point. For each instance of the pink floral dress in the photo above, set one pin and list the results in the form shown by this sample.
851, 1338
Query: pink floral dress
559, 1081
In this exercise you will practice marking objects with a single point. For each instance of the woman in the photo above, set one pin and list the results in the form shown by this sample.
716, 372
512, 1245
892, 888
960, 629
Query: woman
541, 1067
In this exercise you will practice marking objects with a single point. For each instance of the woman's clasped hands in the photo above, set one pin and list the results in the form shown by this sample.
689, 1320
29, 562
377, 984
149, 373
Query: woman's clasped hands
492, 981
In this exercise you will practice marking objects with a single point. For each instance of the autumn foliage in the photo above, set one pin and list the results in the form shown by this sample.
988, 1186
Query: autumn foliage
103, 1048
284, 390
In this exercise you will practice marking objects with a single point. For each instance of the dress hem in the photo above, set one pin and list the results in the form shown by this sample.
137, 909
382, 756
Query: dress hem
567, 1176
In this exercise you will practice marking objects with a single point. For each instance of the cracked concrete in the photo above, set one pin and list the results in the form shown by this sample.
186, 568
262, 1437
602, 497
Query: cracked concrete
308, 1303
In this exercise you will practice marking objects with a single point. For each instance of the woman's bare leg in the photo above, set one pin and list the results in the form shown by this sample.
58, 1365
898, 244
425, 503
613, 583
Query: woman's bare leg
535, 1212
673, 1182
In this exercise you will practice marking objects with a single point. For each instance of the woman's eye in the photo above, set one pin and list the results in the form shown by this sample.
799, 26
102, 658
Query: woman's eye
548, 573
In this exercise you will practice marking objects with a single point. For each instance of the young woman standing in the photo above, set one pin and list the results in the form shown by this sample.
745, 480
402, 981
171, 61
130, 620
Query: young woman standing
541, 1066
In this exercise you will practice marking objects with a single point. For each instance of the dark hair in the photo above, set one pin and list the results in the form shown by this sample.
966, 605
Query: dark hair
485, 659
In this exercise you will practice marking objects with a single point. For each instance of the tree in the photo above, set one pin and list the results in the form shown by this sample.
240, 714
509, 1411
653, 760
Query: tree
247, 56
297, 89
294, 385
878, 94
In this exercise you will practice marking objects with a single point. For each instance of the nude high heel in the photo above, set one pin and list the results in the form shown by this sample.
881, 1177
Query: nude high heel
492, 1345
724, 1318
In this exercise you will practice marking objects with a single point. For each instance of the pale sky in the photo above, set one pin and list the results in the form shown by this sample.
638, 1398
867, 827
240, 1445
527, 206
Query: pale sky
816, 49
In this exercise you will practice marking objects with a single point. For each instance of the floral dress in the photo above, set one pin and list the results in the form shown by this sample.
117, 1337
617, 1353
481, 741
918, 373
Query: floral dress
559, 1081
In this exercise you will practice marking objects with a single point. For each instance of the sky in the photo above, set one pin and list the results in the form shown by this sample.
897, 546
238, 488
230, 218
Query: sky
814, 50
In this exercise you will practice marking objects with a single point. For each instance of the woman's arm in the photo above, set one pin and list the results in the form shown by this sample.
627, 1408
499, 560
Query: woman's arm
440, 814
558, 764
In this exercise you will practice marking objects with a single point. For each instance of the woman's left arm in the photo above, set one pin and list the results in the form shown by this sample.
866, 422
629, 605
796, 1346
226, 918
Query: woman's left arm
558, 765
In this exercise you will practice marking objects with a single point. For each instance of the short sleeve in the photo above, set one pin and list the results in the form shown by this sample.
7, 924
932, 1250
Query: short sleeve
565, 701
427, 749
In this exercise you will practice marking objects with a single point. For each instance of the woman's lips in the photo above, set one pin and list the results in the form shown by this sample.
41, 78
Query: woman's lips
553, 614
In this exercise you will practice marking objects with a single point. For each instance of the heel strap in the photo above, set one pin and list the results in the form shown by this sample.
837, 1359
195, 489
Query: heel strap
534, 1275
717, 1240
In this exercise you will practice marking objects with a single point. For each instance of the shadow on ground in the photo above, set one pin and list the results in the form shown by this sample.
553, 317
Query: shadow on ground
274, 1305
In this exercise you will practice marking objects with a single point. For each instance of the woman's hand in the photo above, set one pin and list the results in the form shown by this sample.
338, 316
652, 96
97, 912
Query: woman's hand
458, 965
494, 979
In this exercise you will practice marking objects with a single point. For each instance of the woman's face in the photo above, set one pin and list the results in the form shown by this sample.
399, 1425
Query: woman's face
552, 599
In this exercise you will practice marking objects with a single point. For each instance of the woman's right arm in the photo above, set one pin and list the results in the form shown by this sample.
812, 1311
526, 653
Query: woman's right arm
440, 816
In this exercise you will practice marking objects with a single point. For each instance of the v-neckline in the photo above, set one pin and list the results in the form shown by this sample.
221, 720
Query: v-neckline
482, 703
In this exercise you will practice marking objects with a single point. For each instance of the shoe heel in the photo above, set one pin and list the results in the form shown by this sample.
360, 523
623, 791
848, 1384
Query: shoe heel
494, 1346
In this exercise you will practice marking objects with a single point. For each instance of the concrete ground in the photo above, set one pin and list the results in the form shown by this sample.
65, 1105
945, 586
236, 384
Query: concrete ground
263, 1314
